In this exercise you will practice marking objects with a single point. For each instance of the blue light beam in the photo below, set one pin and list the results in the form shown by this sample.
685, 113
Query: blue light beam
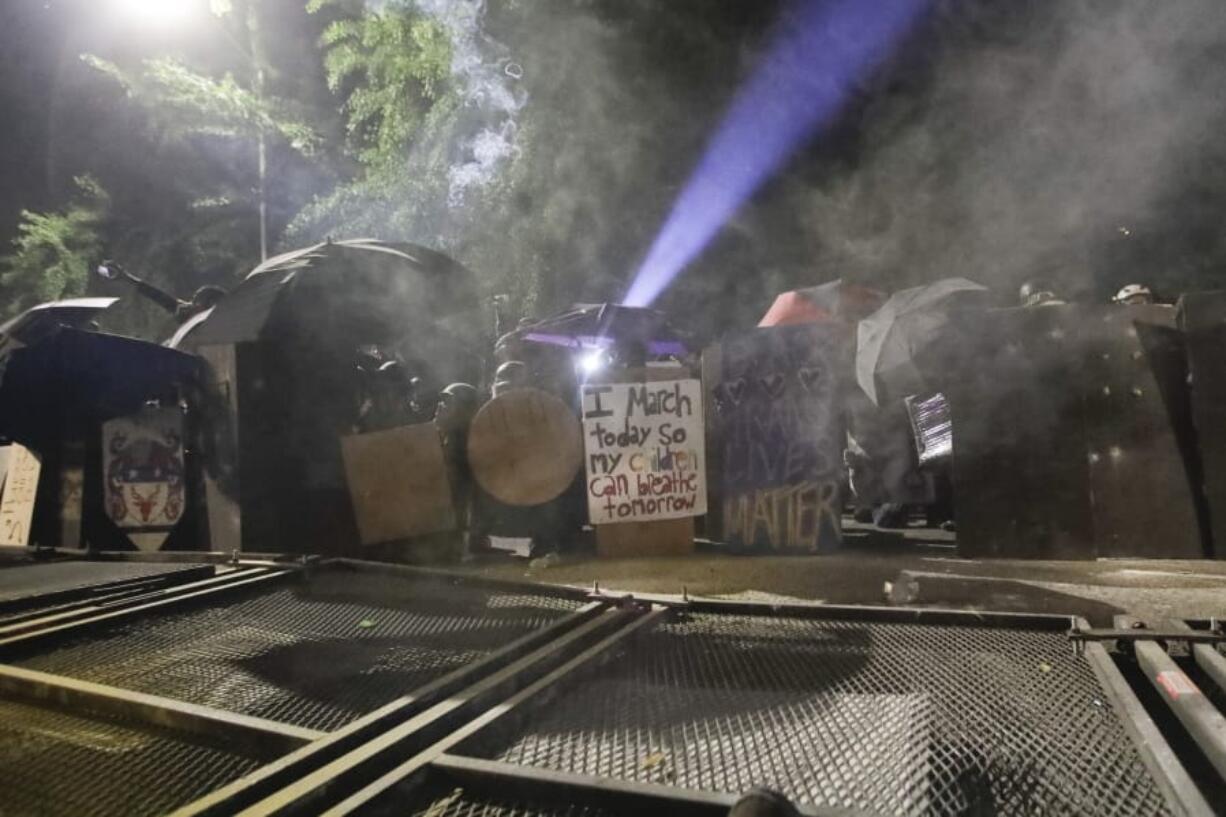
812, 63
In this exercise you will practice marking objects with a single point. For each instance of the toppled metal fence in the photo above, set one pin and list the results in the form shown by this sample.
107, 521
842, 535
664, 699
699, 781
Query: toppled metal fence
353, 688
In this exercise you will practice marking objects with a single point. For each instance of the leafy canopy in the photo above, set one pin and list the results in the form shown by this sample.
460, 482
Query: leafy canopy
391, 66
53, 251
186, 102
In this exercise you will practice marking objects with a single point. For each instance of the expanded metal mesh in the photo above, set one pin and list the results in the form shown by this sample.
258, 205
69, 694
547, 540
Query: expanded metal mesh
441, 800
24, 581
53, 763
316, 654
888, 718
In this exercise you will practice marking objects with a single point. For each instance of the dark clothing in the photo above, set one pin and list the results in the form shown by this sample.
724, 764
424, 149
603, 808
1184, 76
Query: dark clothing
159, 296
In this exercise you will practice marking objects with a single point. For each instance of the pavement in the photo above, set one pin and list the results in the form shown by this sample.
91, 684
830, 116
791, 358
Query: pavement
917, 567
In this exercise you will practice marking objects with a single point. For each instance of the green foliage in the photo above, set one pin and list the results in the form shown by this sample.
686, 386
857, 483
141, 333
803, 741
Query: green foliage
614, 113
186, 102
53, 251
392, 67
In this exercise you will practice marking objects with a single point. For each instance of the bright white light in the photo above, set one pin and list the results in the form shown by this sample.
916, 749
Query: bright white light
156, 13
592, 362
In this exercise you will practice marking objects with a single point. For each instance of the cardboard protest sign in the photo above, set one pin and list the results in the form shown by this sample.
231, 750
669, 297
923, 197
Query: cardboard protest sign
780, 436
144, 474
398, 483
645, 452
20, 491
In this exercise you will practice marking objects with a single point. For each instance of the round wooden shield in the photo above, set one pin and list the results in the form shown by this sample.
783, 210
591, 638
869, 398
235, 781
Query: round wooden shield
525, 446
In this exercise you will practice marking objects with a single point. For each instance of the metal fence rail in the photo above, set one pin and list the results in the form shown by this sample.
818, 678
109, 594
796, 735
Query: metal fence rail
28, 587
53, 762
317, 654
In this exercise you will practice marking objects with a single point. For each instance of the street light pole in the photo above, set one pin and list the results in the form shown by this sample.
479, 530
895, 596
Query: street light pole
257, 88
166, 13
263, 181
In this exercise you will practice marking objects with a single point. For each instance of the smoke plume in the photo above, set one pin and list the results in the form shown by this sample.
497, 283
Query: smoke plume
1042, 139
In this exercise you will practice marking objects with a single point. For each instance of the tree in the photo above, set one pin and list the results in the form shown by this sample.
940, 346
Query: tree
551, 154
53, 252
392, 66
187, 103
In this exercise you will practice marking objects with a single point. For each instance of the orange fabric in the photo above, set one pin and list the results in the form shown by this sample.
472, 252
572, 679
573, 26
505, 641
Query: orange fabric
792, 308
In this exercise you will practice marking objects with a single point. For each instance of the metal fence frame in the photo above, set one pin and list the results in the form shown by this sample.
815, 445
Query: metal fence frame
411, 739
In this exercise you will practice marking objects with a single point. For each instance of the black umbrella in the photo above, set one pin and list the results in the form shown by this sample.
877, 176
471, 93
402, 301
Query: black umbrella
75, 376
891, 344
594, 326
358, 288
42, 320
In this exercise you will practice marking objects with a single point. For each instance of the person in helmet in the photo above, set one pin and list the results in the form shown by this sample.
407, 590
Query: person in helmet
457, 405
1038, 293
1134, 295
205, 297
511, 375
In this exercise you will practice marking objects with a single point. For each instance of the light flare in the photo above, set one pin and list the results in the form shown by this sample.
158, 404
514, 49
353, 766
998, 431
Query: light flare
817, 54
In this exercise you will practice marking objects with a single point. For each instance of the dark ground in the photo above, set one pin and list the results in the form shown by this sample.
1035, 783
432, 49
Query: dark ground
934, 577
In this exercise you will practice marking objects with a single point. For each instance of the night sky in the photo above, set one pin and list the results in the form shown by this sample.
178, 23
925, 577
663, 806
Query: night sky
1082, 137
62, 119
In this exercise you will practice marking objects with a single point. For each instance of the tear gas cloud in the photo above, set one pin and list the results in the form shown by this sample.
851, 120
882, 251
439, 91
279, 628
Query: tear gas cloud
1043, 140
488, 80
820, 50
1005, 139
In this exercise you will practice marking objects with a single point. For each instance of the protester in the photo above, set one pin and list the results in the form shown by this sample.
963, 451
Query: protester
1038, 293
510, 375
205, 297
1134, 295
387, 398
457, 405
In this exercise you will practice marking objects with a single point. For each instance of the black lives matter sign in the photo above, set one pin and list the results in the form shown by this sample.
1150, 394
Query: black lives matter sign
644, 451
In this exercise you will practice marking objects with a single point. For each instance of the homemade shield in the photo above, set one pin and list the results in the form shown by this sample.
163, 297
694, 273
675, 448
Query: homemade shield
144, 473
525, 447
1071, 430
893, 343
777, 436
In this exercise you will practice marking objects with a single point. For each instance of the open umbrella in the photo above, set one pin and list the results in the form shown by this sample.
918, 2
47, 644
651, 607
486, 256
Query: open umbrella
833, 300
73, 375
894, 342
596, 326
41, 320
360, 287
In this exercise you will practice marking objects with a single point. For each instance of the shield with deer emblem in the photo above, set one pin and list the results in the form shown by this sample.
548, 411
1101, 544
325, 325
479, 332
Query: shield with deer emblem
144, 473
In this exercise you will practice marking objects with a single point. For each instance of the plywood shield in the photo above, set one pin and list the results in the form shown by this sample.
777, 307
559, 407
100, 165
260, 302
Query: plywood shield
398, 483
525, 447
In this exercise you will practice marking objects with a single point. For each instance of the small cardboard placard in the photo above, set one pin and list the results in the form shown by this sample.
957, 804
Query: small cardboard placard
645, 451
19, 471
398, 483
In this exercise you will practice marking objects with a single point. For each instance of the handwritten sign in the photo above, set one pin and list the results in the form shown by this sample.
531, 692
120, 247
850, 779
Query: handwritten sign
779, 423
644, 450
20, 491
